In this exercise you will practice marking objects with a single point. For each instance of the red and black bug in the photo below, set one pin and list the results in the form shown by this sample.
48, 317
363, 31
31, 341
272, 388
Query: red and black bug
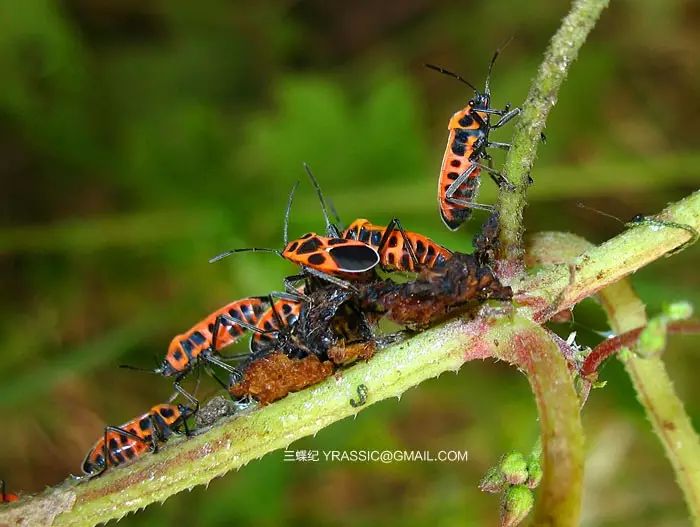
399, 249
6, 497
202, 342
282, 314
221, 328
467, 142
330, 258
141, 435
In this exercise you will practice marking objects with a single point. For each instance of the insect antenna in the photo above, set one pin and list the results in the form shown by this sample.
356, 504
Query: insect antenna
336, 216
451, 74
331, 229
136, 368
244, 250
285, 230
493, 61
602, 213
263, 249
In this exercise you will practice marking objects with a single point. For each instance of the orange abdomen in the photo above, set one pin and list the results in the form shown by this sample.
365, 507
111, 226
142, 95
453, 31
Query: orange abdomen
464, 132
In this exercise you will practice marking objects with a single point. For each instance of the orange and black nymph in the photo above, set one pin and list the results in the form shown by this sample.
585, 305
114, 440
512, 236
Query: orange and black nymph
203, 341
398, 249
133, 439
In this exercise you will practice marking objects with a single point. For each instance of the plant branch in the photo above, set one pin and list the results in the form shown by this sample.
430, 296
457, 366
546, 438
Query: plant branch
562, 286
562, 51
613, 345
561, 432
653, 386
656, 394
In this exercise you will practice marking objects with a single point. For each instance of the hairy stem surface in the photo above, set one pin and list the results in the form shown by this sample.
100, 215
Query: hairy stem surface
560, 425
563, 50
649, 376
656, 394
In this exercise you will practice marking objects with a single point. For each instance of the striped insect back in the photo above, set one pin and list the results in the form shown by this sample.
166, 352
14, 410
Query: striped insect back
467, 141
462, 154
133, 439
216, 331
399, 250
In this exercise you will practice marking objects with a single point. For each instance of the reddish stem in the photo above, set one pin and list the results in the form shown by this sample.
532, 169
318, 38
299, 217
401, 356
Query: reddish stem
611, 346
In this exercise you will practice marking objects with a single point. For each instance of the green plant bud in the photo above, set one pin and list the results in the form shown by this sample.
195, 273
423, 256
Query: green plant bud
678, 310
514, 468
517, 503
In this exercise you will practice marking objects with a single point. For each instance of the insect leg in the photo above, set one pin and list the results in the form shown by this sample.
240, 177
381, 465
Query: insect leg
450, 192
221, 364
190, 398
497, 177
496, 144
395, 225
290, 286
344, 284
294, 296
181, 391
509, 115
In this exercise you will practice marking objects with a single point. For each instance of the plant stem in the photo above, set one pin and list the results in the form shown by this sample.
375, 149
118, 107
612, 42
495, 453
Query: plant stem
444, 348
656, 394
542, 97
651, 381
613, 345
562, 286
560, 425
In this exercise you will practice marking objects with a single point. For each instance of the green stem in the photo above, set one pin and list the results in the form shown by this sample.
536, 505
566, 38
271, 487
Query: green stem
656, 394
187, 463
562, 51
564, 285
651, 381
560, 425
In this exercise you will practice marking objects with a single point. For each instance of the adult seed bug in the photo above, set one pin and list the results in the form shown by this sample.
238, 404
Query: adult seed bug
399, 249
326, 257
467, 142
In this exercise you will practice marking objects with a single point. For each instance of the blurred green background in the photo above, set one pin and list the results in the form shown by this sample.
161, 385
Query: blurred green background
139, 138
